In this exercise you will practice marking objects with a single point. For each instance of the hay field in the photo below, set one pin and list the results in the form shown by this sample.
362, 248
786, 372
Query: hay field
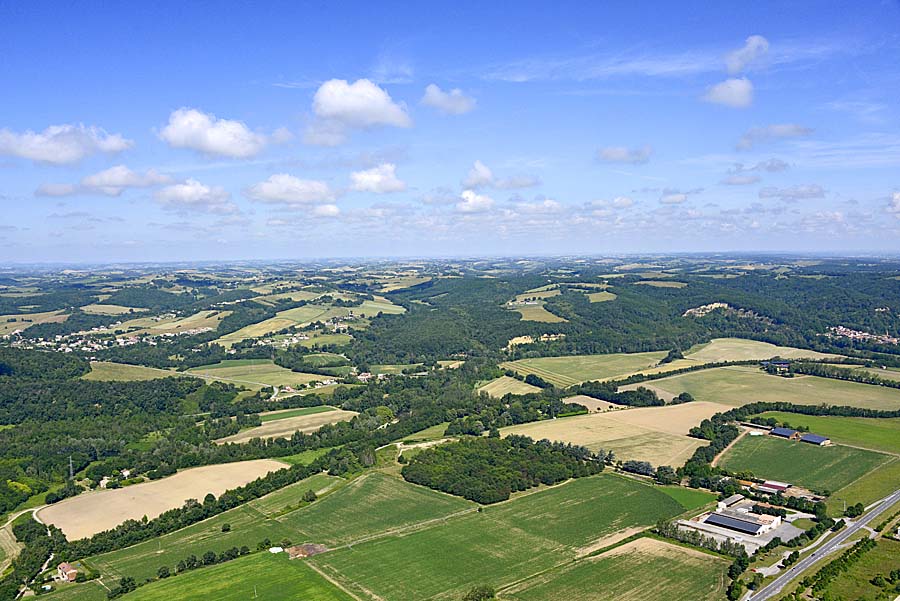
654, 434
23, 321
284, 428
107, 371
271, 416
735, 386
260, 575
817, 468
501, 545
567, 371
505, 385
601, 297
537, 313
254, 373
739, 349
642, 570
869, 433
593, 405
101, 309
93, 512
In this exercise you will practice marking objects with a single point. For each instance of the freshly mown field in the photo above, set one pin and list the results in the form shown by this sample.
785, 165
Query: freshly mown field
856, 583
875, 485
89, 591
249, 524
737, 386
285, 427
814, 467
537, 313
739, 349
258, 576
500, 545
271, 416
254, 373
108, 371
642, 570
101, 309
567, 371
505, 385
689, 498
94, 512
868, 433
654, 434
593, 405
372, 504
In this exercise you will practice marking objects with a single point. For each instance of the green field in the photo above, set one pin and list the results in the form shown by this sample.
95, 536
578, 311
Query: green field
108, 371
369, 505
567, 371
537, 313
505, 385
689, 498
89, 591
868, 489
254, 373
870, 433
856, 583
811, 466
277, 415
432, 433
261, 575
500, 545
741, 385
646, 570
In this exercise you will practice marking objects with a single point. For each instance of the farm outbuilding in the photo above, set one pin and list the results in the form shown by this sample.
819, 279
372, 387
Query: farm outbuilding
815, 439
783, 432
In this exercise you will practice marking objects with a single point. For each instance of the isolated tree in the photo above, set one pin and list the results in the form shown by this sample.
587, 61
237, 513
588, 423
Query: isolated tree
309, 496
163, 572
480, 593
226, 527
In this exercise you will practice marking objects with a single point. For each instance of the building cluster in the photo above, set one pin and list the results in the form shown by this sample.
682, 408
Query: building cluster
734, 519
808, 437
843, 332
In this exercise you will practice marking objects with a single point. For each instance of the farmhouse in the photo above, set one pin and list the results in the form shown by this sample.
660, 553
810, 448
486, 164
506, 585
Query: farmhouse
815, 439
784, 433
66, 571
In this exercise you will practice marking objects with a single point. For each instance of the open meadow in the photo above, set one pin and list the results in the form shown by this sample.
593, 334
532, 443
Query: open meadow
107, 371
94, 512
254, 373
654, 434
567, 371
23, 321
875, 485
500, 545
737, 386
149, 326
505, 385
643, 570
284, 427
537, 312
814, 467
740, 349
868, 433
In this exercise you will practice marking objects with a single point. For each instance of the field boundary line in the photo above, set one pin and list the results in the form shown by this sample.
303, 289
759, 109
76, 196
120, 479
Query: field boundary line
321, 572
721, 454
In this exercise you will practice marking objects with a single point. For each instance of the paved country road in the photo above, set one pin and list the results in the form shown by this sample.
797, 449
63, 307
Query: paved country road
777, 585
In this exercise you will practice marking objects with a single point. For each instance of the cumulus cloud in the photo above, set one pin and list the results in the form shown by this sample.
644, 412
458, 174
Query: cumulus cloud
771, 165
203, 132
193, 196
380, 180
453, 102
755, 135
283, 188
481, 176
736, 93
622, 154
793, 193
339, 105
741, 180
540, 207
61, 144
111, 182
56, 190
755, 48
674, 196
472, 202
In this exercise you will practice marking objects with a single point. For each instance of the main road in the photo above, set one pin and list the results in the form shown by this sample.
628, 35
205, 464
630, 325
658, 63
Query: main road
776, 586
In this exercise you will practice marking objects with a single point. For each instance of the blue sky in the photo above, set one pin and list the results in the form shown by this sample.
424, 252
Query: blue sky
179, 131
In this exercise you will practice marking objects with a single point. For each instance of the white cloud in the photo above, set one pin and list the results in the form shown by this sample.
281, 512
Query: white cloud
741, 180
326, 210
380, 180
56, 190
736, 93
61, 144
480, 175
340, 105
894, 206
621, 154
472, 202
771, 165
754, 49
674, 198
622, 202
793, 193
286, 189
191, 195
203, 132
114, 180
516, 182
547, 206
453, 102
780, 131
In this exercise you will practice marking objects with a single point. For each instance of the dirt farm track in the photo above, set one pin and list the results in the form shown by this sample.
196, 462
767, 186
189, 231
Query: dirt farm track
90, 513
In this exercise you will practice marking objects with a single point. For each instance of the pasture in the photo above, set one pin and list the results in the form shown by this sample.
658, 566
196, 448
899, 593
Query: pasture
873, 486
271, 416
740, 349
23, 321
537, 313
654, 434
254, 373
568, 371
642, 570
500, 545
735, 386
505, 385
108, 371
89, 513
101, 309
869, 433
285, 427
816, 468
601, 297
249, 524
260, 575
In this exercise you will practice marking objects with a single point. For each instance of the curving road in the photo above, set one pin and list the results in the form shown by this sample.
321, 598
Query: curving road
776, 586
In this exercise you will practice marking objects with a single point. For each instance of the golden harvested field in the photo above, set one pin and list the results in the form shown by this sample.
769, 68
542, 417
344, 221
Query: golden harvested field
738, 349
567, 371
107, 371
93, 512
537, 293
654, 434
254, 373
21, 321
505, 385
284, 428
593, 405
537, 313
601, 297
101, 309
